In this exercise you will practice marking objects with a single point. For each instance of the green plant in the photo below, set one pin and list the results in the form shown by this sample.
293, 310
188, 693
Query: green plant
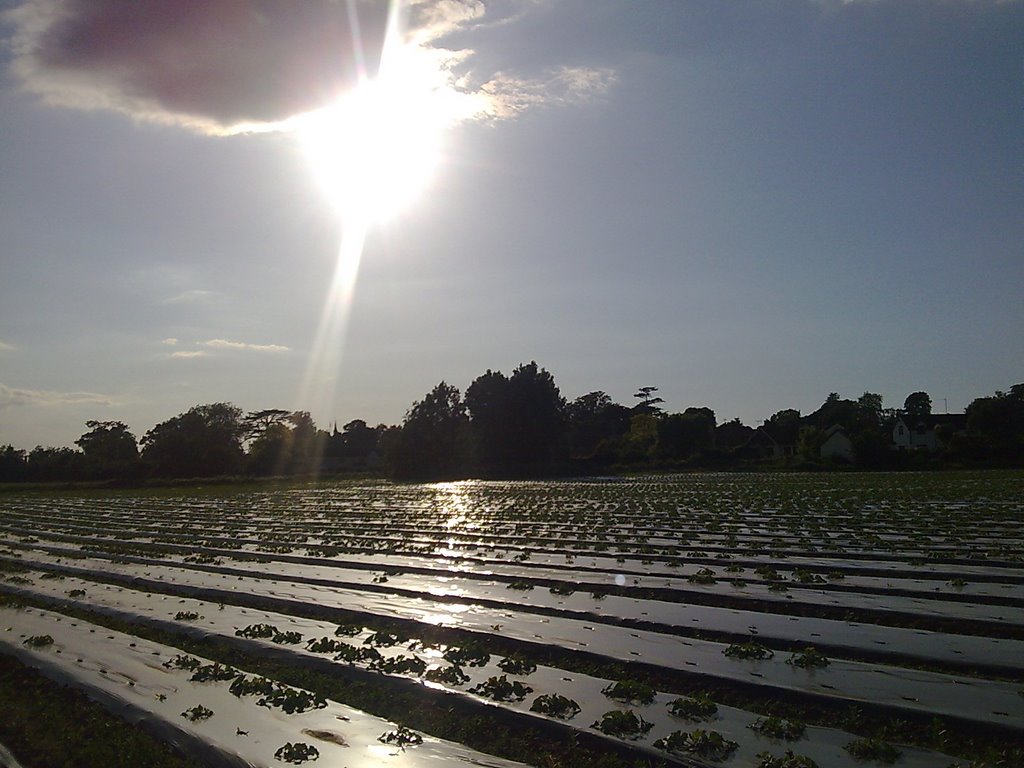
257, 631
703, 576
630, 692
748, 650
197, 713
788, 760
38, 641
292, 700
561, 589
779, 728
625, 724
213, 673
873, 749
515, 664
286, 638
348, 630
252, 686
696, 707
710, 745
468, 655
183, 662
296, 753
808, 658
502, 689
452, 675
399, 665
402, 736
325, 645
186, 616
76, 593
555, 706
523, 586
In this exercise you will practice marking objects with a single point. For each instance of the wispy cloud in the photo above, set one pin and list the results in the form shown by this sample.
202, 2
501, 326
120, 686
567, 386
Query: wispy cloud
241, 345
5, 347
12, 397
222, 66
210, 347
187, 353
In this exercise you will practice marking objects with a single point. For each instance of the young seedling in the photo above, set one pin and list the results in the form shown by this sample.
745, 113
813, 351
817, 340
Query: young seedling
629, 692
297, 753
502, 689
779, 728
515, 664
257, 631
748, 650
402, 737
186, 616
710, 745
197, 713
697, 707
38, 641
624, 724
467, 656
553, 705
452, 675
808, 658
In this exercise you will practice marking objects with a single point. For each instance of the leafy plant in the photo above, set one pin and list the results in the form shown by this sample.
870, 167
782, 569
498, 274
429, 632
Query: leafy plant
183, 662
197, 713
703, 576
399, 665
468, 655
514, 664
257, 631
561, 589
186, 616
297, 753
452, 675
779, 728
213, 673
625, 724
630, 692
523, 586
348, 630
555, 706
325, 645
788, 760
38, 641
502, 689
809, 658
873, 749
696, 707
286, 638
76, 593
710, 745
402, 736
748, 650
252, 686
292, 700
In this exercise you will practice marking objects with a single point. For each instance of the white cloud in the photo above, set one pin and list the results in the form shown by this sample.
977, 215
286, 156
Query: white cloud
226, 344
5, 347
11, 397
510, 95
185, 353
170, 341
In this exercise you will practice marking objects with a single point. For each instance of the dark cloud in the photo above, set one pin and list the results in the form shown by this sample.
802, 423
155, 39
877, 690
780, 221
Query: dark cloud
214, 64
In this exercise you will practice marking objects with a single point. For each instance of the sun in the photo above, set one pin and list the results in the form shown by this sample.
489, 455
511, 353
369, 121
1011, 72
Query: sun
376, 149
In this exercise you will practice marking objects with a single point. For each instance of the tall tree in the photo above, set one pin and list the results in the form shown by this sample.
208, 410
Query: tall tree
204, 441
649, 402
918, 405
109, 448
430, 444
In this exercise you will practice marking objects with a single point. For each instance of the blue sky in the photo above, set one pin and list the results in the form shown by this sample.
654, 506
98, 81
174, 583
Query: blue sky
747, 204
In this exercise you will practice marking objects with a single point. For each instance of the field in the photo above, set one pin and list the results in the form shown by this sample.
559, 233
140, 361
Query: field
777, 621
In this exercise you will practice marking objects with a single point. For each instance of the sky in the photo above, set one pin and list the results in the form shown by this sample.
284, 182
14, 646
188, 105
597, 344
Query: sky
333, 206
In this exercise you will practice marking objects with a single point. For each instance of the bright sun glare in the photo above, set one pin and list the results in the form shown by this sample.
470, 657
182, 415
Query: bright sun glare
375, 150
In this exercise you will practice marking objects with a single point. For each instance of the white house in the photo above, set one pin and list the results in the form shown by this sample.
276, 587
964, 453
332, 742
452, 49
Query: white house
837, 445
921, 433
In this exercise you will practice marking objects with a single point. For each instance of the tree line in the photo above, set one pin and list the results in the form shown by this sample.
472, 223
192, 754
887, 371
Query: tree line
519, 425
